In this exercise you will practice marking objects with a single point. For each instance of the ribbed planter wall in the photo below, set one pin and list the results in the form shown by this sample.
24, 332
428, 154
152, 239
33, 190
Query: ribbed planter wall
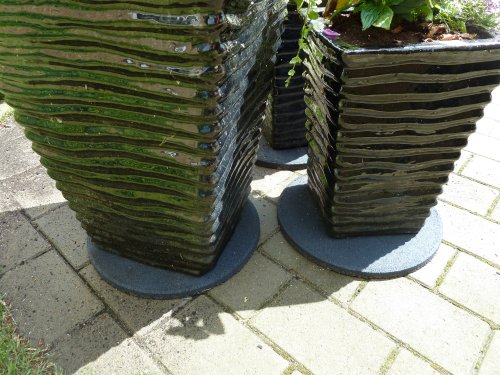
284, 125
385, 127
147, 114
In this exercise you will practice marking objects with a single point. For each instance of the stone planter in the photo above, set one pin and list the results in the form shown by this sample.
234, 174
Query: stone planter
147, 115
387, 124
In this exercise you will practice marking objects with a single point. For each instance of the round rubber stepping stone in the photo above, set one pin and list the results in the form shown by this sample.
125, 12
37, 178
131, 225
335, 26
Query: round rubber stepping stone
369, 257
152, 282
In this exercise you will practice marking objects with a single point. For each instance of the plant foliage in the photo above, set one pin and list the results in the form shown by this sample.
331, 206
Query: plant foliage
457, 15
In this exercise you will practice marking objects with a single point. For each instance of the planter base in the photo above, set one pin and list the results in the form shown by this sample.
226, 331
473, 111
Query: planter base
151, 282
370, 257
290, 159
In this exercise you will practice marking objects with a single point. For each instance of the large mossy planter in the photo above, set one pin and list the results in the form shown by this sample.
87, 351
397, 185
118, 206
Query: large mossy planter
284, 125
147, 115
385, 126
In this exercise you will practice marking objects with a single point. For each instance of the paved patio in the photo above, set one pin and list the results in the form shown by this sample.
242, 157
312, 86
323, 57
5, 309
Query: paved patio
282, 314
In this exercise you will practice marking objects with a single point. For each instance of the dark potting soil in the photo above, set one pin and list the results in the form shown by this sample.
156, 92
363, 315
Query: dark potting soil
350, 30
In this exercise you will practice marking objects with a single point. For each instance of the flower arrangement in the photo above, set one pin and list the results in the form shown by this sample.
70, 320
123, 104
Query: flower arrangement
455, 16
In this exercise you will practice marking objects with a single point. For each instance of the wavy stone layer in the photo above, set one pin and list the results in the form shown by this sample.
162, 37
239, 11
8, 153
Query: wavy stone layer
147, 114
386, 126
284, 124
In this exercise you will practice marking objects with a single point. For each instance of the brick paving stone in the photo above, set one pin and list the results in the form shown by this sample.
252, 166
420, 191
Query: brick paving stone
464, 158
102, 347
275, 193
322, 336
491, 361
270, 182
484, 146
268, 216
475, 285
469, 194
492, 110
66, 233
488, 126
47, 298
431, 272
35, 191
470, 232
434, 327
17, 157
9, 129
408, 364
333, 284
7, 201
19, 241
251, 287
137, 313
483, 170
495, 215
203, 339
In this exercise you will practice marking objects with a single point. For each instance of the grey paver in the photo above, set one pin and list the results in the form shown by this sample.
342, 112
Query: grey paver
470, 232
250, 288
492, 110
407, 363
270, 182
47, 297
66, 233
434, 327
136, 312
321, 335
488, 126
9, 129
203, 339
17, 157
468, 194
484, 170
267, 216
19, 241
485, 146
475, 285
333, 284
35, 191
491, 361
102, 347
7, 201
495, 214
465, 156
431, 272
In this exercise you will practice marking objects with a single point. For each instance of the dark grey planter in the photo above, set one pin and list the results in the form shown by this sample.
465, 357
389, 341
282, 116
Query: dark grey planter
284, 125
385, 126
147, 114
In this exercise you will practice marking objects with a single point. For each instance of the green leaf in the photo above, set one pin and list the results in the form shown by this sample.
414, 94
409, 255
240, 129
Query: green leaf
313, 15
370, 13
299, 3
291, 72
295, 60
406, 7
385, 19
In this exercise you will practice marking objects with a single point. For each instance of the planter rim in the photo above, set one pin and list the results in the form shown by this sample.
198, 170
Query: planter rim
438, 46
